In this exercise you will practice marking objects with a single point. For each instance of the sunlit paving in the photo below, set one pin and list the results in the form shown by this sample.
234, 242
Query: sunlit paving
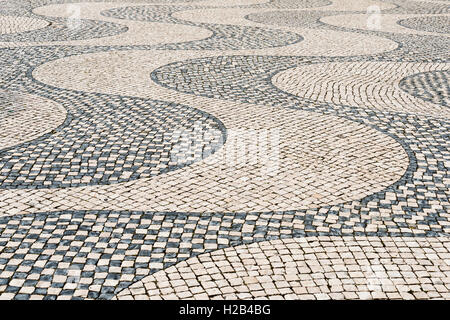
224, 149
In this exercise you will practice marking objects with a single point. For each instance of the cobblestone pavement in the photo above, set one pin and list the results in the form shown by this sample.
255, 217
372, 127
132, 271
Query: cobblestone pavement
235, 149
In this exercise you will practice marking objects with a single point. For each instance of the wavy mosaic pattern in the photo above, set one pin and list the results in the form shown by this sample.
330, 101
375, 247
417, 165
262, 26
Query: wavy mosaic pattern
225, 37
62, 31
438, 24
241, 149
118, 140
304, 268
25, 117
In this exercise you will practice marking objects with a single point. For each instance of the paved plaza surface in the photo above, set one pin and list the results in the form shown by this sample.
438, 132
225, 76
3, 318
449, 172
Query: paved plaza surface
224, 149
